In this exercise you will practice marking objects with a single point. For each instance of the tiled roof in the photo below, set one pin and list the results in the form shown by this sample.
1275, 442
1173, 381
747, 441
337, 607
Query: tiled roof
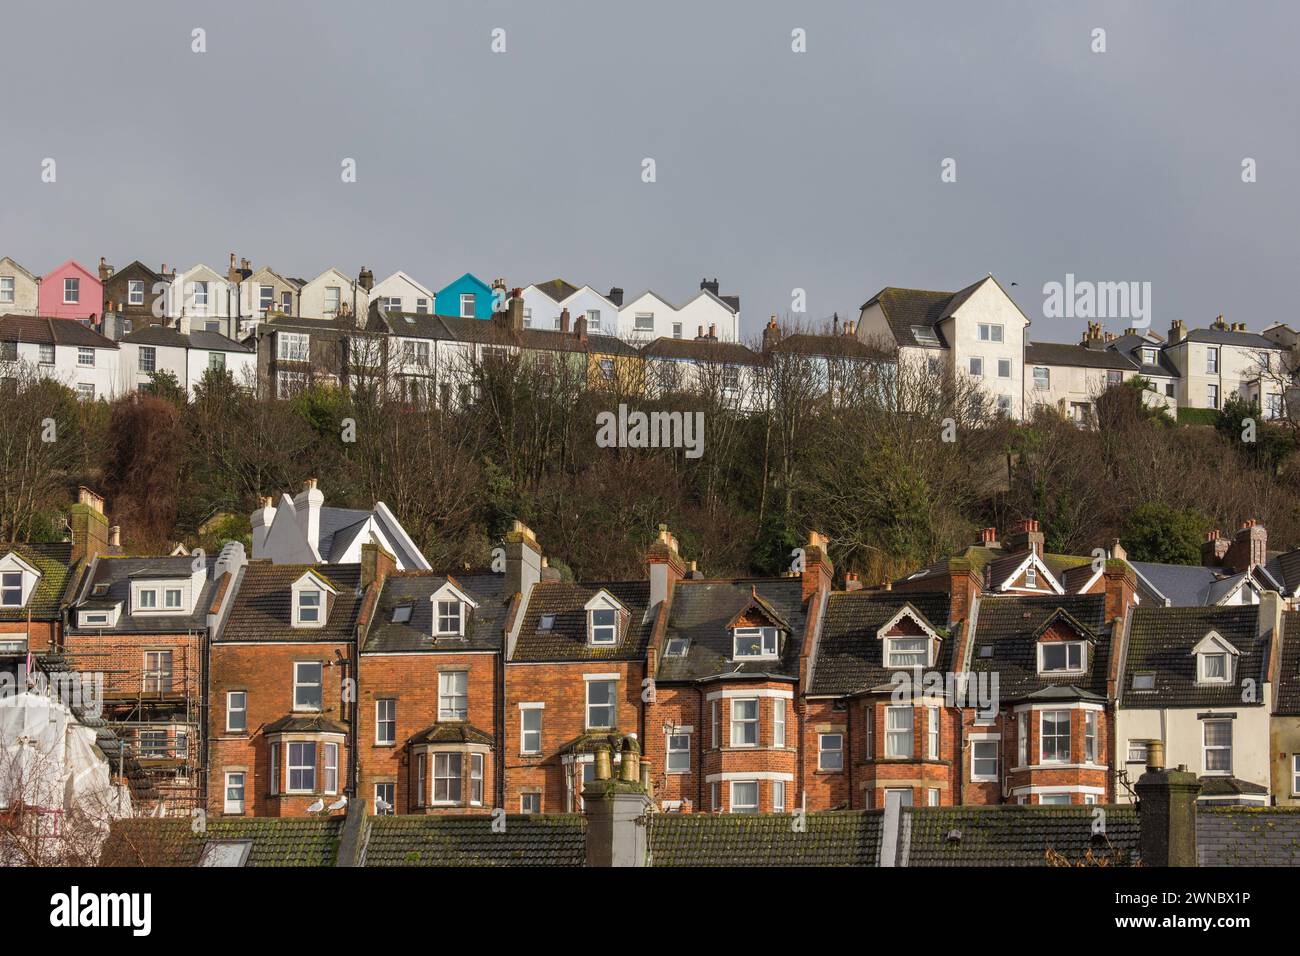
414, 590
263, 606
699, 350
1012, 835
906, 309
305, 724
831, 346
566, 640
1010, 625
1161, 640
1249, 340
1247, 836
850, 658
1079, 356
527, 840
50, 331
834, 838
54, 563
700, 613
169, 335
453, 732
557, 289
276, 841
116, 574
491, 332
1288, 677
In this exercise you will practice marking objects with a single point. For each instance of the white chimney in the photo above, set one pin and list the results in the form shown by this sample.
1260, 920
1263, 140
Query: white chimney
183, 325
308, 503
261, 522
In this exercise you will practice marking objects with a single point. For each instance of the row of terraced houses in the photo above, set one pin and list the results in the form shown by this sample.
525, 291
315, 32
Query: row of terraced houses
334, 664
107, 332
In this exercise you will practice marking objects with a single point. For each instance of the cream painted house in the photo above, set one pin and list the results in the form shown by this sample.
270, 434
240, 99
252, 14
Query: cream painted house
1200, 680
1223, 360
400, 293
205, 297
978, 332
331, 292
18, 289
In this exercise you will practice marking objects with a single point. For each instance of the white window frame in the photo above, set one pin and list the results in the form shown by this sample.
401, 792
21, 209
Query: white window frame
383, 791
449, 759
333, 294
1091, 738
315, 612
530, 802
385, 721
778, 796
525, 732
769, 642
303, 768
274, 759
677, 745
1043, 382
470, 300
778, 722
330, 760
715, 722
1043, 736
235, 806
135, 292
1139, 746
8, 290
299, 684
450, 619
1203, 677
453, 695
1068, 669
8, 588
895, 734
71, 291
475, 779
241, 710
1295, 775
1207, 747
735, 806
830, 759
976, 758
740, 724
991, 332
612, 706
896, 658
293, 346
156, 678
932, 733
86, 357
603, 634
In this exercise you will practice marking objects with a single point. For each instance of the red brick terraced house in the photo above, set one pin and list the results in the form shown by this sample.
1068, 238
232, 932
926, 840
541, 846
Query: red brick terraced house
1051, 738
879, 726
144, 623
722, 726
428, 725
576, 669
282, 689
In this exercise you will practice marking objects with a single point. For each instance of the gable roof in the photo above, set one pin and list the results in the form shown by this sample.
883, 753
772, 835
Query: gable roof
556, 289
17, 265
1188, 585
262, 609
1161, 640
1012, 627
703, 612
700, 350
47, 330
484, 628
906, 309
566, 640
850, 656
54, 562
169, 335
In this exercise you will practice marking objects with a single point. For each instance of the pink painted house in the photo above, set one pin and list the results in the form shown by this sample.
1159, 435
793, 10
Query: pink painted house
71, 292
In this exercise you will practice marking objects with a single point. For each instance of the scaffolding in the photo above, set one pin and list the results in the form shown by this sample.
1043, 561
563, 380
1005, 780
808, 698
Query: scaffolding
154, 712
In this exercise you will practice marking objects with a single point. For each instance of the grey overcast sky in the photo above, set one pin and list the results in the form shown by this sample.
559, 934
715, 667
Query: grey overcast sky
775, 170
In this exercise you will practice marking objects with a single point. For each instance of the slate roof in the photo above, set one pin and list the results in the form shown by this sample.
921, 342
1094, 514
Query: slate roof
1287, 692
262, 609
50, 331
988, 563
490, 332
528, 840
1186, 585
1247, 836
830, 346
700, 613
1249, 340
1161, 640
699, 350
276, 841
168, 335
117, 574
1014, 835
905, 309
850, 657
485, 626
1011, 624
833, 838
1079, 356
1285, 568
1132, 346
54, 561
557, 289
453, 732
567, 638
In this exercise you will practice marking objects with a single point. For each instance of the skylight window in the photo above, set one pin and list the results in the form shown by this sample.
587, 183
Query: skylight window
677, 647
1144, 681
402, 614
546, 623
986, 650
925, 335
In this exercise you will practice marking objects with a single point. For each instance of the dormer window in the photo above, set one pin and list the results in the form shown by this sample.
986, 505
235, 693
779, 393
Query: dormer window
148, 599
907, 651
307, 610
451, 618
172, 599
754, 642
11, 589
310, 597
1216, 659
1062, 657
603, 626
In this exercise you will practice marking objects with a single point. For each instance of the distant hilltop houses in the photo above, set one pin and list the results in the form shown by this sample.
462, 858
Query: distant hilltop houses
108, 332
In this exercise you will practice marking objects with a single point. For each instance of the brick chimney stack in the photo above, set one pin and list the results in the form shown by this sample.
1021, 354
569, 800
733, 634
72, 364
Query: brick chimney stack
616, 296
515, 310
1249, 547
665, 566
564, 320
989, 538
89, 526
1120, 588
1177, 331
818, 572
376, 565
771, 334
1214, 549
1026, 537
105, 270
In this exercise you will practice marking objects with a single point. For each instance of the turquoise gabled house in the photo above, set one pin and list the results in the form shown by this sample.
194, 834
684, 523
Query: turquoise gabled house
469, 296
